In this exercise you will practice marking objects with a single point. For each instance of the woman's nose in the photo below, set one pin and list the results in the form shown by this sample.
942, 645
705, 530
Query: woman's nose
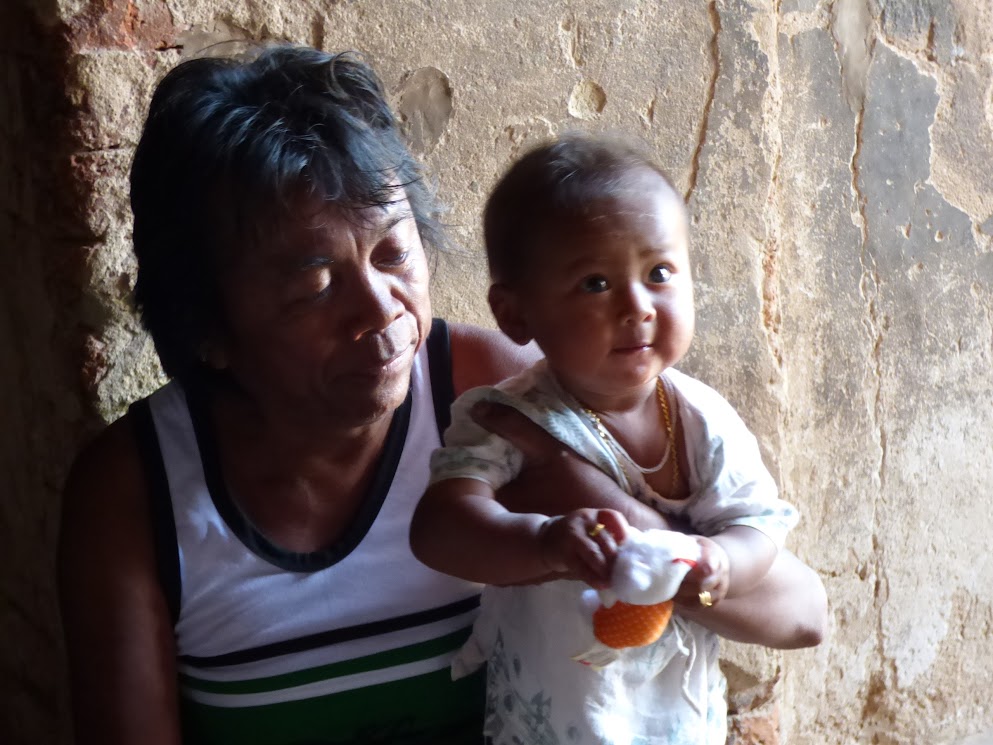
374, 306
637, 305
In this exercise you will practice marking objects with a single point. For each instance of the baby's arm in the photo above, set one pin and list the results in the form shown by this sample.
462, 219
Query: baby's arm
731, 564
460, 529
557, 481
787, 608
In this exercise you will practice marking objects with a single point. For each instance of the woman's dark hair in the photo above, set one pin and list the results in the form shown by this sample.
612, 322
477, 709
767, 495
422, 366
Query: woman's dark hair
558, 181
228, 150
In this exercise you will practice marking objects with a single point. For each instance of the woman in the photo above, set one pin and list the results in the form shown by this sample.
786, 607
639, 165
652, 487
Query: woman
234, 564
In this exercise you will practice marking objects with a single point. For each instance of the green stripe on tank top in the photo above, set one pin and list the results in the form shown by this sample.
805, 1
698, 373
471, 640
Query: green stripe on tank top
379, 661
428, 709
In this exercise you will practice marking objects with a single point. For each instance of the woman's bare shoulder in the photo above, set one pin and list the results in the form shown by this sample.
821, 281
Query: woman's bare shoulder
105, 501
108, 467
485, 356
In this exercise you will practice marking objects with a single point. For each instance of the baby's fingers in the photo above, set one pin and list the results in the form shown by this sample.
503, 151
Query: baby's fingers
614, 531
714, 567
602, 541
690, 589
600, 550
591, 565
693, 594
707, 582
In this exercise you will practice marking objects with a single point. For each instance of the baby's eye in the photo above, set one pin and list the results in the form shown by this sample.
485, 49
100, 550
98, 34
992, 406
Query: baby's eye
596, 283
660, 274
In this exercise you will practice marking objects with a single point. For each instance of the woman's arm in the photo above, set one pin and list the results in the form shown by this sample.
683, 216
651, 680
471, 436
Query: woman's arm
119, 636
786, 609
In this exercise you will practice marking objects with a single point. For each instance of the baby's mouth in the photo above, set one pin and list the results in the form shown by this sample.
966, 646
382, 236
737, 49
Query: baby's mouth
630, 348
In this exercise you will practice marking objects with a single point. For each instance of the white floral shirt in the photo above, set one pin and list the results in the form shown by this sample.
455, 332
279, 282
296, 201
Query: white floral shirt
669, 692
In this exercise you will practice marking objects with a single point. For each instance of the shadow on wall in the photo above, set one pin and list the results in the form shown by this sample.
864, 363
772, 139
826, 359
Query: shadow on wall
45, 244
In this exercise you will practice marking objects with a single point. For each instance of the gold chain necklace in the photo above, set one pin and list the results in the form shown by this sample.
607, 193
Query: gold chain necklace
670, 446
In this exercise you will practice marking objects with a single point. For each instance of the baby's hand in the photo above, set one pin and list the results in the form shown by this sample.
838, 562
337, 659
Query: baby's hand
583, 544
712, 574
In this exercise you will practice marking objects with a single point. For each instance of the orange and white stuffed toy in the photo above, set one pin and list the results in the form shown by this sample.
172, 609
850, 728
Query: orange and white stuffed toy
636, 609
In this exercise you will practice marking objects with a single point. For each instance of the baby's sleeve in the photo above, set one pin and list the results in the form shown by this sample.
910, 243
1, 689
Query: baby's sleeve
471, 452
733, 486
738, 492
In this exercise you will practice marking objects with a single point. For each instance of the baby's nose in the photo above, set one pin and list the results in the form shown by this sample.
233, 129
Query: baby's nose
639, 307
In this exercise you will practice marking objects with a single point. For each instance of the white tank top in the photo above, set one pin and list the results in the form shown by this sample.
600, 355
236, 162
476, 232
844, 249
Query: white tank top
257, 625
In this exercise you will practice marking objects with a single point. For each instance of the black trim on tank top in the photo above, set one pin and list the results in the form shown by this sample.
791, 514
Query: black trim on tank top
335, 636
160, 505
254, 540
440, 369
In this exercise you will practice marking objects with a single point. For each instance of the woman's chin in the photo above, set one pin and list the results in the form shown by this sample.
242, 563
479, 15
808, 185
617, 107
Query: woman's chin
367, 400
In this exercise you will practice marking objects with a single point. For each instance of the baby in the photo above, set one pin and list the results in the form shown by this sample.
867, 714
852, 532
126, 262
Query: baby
586, 241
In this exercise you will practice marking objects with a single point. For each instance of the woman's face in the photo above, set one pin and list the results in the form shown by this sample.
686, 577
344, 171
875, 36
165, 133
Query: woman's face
322, 324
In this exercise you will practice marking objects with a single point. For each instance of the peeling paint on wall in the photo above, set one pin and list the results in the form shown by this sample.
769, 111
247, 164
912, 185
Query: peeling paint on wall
587, 100
424, 105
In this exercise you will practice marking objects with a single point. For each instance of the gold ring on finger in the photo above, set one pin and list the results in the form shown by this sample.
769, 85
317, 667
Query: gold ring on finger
706, 599
595, 530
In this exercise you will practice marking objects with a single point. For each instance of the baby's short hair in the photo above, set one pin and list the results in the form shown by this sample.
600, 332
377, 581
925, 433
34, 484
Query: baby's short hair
558, 181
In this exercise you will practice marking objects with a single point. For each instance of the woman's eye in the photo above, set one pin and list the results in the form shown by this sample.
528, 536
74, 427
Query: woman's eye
596, 283
393, 249
310, 285
660, 274
397, 258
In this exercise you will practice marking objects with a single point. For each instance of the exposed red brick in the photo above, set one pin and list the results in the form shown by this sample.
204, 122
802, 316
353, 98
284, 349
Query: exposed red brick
94, 364
123, 24
52, 205
755, 727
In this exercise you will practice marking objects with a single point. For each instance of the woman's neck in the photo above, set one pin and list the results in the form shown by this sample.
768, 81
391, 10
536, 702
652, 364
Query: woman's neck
294, 437
299, 483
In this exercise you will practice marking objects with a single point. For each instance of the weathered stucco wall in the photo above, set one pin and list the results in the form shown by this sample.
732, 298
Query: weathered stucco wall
886, 284
836, 160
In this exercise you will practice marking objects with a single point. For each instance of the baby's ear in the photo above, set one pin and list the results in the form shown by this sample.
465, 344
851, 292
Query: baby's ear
506, 310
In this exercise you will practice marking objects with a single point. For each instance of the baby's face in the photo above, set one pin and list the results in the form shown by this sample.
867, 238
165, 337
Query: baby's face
610, 300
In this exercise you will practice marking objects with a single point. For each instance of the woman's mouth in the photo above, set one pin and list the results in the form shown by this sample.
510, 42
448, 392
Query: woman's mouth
387, 361
386, 351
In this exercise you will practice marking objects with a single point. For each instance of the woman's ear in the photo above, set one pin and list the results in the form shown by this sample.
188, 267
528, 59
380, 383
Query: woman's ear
507, 312
213, 356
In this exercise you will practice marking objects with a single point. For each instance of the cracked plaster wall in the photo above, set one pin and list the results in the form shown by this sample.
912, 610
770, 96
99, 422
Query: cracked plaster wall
836, 160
